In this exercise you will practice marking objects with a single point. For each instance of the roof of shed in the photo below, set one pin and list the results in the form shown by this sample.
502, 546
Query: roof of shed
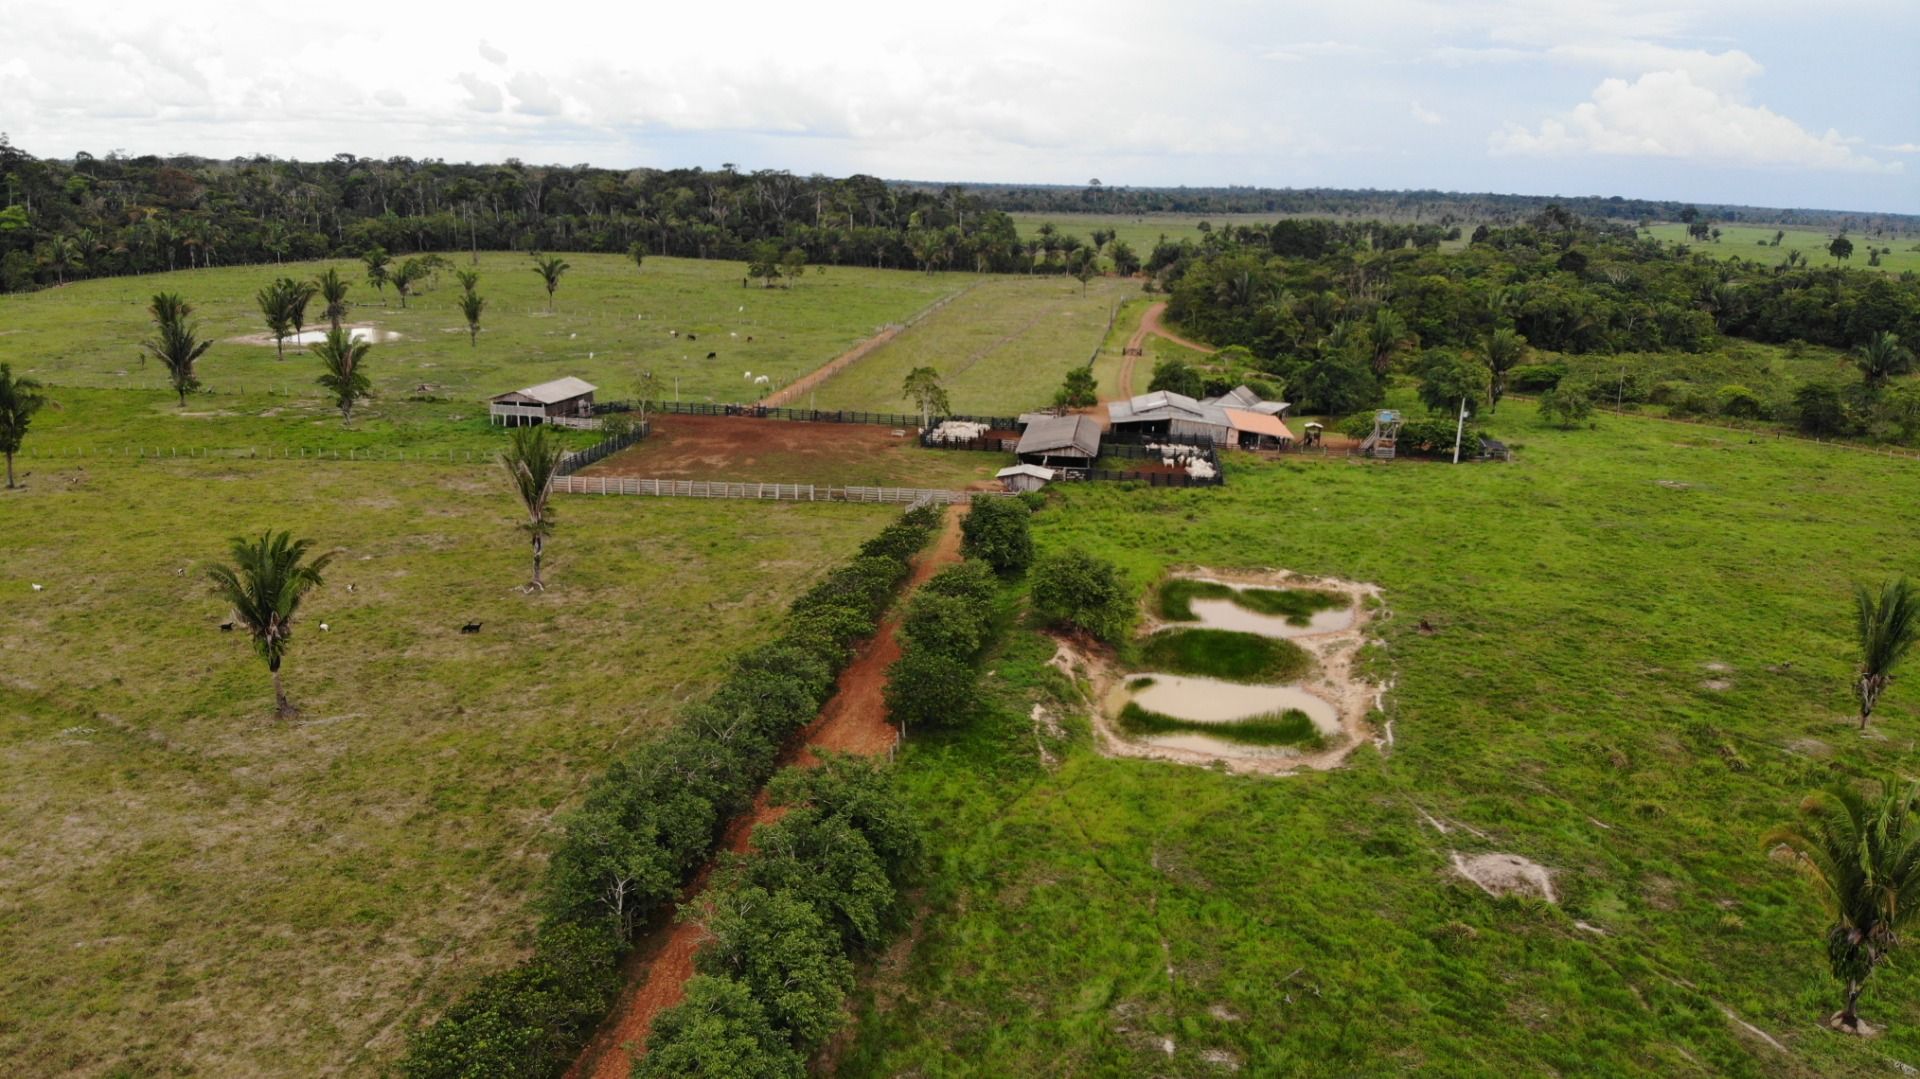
1025, 470
1057, 434
549, 393
1258, 423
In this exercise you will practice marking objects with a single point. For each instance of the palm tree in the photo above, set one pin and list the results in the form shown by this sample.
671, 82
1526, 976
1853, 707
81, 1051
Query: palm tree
265, 586
471, 304
403, 278
376, 261
637, 251
533, 461
1887, 627
1864, 863
176, 343
469, 279
1387, 337
20, 398
923, 387
61, 254
345, 376
1505, 350
550, 269
1882, 357
333, 289
276, 304
299, 295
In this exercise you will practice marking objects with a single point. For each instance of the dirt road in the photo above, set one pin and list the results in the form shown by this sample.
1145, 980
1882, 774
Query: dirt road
854, 720
1150, 324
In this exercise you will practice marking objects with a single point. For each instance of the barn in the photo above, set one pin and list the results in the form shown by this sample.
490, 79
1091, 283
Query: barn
1073, 441
1238, 418
1024, 477
564, 401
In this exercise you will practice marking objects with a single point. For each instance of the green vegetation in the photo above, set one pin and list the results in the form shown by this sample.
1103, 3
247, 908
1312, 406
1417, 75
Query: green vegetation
1887, 626
1073, 590
996, 531
20, 399
1561, 709
1755, 243
1289, 728
532, 461
1224, 654
1296, 605
264, 587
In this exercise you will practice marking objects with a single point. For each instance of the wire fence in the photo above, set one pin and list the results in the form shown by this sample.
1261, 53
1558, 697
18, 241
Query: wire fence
770, 492
803, 415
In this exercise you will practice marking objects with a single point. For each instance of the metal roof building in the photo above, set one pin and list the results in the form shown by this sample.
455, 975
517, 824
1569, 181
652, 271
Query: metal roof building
563, 398
1061, 439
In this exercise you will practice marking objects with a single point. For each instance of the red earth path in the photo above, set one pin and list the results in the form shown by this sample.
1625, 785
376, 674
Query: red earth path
854, 720
1150, 324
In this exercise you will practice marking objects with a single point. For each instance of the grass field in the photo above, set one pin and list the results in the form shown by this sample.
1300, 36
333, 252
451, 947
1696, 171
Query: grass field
610, 322
1001, 349
188, 887
1750, 242
1143, 231
1119, 917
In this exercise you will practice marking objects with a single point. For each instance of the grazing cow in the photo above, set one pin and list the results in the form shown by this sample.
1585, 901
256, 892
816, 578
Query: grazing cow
749, 337
713, 355
226, 627
470, 627
673, 333
693, 337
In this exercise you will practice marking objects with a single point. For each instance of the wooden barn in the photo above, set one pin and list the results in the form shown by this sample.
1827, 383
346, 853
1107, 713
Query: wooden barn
564, 401
1072, 441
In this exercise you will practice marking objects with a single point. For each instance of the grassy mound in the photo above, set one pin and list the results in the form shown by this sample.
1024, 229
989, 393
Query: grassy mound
1288, 728
1296, 605
1226, 655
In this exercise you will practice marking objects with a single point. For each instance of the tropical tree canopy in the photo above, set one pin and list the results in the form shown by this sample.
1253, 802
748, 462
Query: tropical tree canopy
1886, 626
344, 370
532, 461
269, 578
20, 398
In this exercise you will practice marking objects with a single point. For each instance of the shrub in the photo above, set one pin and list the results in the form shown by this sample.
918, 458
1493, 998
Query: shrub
1435, 437
971, 581
1738, 402
930, 689
1076, 590
1565, 405
718, 1032
1820, 409
1288, 728
1177, 377
827, 863
1226, 655
1535, 377
948, 625
863, 794
995, 531
780, 949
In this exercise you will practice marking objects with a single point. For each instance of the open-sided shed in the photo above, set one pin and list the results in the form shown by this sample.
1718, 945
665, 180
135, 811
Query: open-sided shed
550, 402
1060, 440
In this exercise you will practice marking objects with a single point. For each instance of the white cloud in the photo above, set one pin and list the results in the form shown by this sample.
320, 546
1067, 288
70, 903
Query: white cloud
1308, 50
1669, 114
1424, 114
1901, 148
390, 97
534, 95
481, 96
492, 55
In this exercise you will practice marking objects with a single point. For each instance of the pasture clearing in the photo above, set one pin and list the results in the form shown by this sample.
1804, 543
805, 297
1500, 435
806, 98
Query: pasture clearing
1001, 349
193, 888
1121, 916
792, 451
1143, 231
1755, 242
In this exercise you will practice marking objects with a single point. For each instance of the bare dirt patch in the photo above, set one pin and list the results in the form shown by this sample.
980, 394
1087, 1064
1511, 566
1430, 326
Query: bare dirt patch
749, 449
1506, 874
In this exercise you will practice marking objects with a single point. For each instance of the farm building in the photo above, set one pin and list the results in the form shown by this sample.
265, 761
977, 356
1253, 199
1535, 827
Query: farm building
1024, 477
565, 401
1238, 419
1073, 441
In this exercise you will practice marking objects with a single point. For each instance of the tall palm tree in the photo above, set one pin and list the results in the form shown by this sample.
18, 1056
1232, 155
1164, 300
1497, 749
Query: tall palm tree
1387, 337
376, 261
1882, 357
1505, 349
1887, 626
345, 376
403, 278
922, 386
299, 295
550, 269
265, 586
176, 343
20, 398
533, 461
469, 279
333, 291
276, 305
471, 304
1863, 860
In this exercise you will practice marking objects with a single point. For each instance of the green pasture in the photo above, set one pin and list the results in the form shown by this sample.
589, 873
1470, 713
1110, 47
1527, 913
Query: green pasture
1755, 242
1639, 661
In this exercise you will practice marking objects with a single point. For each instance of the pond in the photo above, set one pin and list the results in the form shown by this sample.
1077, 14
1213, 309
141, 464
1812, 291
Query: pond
356, 334
1209, 700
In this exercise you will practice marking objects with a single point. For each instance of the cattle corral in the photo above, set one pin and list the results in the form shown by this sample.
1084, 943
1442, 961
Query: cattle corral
752, 449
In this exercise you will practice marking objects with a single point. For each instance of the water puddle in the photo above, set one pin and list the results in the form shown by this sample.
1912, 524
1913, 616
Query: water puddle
357, 334
1226, 614
1208, 700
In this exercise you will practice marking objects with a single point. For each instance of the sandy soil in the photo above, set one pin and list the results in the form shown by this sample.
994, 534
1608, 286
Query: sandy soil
715, 447
1506, 874
854, 720
1334, 680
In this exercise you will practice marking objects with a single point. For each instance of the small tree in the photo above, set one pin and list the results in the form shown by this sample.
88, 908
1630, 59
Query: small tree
1886, 627
1076, 590
1840, 248
637, 252
1078, 391
176, 343
550, 269
1822, 410
996, 532
1175, 376
275, 302
532, 461
345, 375
1881, 358
926, 688
409, 273
471, 304
1568, 406
717, 1032
376, 260
784, 953
1085, 267
265, 586
333, 292
763, 262
922, 386
793, 263
1448, 378
1862, 857
469, 279
1505, 349
20, 398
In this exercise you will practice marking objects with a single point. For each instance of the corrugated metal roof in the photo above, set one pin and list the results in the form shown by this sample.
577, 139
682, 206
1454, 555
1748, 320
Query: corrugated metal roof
548, 393
1025, 470
1165, 405
1257, 423
1058, 434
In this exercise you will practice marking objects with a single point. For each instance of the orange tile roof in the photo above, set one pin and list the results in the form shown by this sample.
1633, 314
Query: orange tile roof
1258, 423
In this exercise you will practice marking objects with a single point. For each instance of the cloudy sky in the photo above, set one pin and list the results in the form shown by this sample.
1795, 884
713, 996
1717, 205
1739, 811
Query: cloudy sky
1762, 102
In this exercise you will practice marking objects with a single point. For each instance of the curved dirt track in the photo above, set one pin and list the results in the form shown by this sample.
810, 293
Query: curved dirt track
854, 720
786, 395
1150, 324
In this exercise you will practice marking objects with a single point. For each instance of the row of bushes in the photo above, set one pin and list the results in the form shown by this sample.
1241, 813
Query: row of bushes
652, 819
821, 885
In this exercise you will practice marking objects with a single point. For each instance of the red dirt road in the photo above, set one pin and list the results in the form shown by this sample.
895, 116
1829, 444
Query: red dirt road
1150, 324
719, 447
854, 720
786, 395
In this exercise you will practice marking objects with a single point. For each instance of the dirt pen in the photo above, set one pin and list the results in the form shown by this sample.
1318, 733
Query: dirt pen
750, 449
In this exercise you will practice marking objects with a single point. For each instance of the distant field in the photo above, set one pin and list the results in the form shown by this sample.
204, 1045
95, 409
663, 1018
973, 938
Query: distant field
1753, 242
1002, 348
1142, 232
611, 322
190, 887
1638, 662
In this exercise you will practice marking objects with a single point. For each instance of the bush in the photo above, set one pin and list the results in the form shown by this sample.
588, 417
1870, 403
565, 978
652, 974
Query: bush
863, 794
1176, 377
1226, 655
948, 625
1535, 377
995, 531
930, 689
1738, 402
826, 862
1565, 405
1821, 409
1076, 590
971, 581
1434, 438
780, 949
718, 1032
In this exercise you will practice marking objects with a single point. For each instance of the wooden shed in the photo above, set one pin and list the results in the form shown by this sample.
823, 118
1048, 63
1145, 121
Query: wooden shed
1024, 477
564, 401
1073, 441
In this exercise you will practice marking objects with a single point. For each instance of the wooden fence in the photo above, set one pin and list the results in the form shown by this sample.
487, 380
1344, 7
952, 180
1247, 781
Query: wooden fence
771, 492
574, 462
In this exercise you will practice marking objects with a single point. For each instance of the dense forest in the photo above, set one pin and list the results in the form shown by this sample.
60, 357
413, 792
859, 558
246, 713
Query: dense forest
95, 216
1335, 310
